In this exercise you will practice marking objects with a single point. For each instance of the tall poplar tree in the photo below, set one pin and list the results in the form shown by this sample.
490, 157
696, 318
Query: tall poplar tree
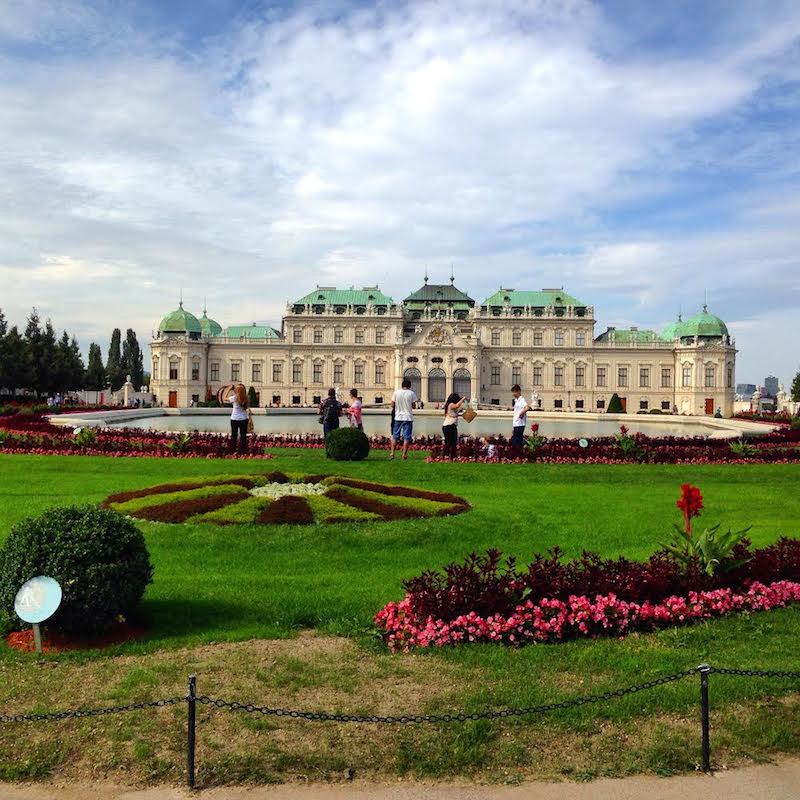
132, 361
3, 368
95, 371
114, 371
796, 388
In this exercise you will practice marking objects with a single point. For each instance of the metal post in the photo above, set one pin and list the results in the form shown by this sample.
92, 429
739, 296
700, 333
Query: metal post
191, 701
705, 670
37, 637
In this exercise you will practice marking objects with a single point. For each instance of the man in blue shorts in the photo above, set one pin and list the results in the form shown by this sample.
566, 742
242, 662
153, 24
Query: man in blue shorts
403, 406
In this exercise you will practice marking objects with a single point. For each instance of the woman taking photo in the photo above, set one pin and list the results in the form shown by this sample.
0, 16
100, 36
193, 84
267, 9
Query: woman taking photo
452, 408
237, 397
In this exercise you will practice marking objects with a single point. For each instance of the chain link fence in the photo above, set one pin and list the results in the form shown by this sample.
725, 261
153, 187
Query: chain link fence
191, 699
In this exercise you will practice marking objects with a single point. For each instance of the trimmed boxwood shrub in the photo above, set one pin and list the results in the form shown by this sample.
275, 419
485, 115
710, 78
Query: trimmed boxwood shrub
347, 444
615, 405
99, 558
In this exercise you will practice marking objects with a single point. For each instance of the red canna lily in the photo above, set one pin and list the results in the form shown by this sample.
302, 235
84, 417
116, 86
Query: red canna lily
690, 503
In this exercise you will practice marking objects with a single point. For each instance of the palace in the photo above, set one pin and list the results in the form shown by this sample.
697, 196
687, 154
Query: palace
444, 341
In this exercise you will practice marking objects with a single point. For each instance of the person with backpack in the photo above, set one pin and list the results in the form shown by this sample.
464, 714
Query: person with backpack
329, 412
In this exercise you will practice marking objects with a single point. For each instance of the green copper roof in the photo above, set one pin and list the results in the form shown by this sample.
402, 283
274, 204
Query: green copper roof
518, 299
672, 331
180, 321
628, 336
703, 324
325, 295
439, 293
210, 327
250, 332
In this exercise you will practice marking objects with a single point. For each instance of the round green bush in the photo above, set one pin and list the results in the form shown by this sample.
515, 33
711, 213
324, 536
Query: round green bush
347, 444
656, 411
98, 556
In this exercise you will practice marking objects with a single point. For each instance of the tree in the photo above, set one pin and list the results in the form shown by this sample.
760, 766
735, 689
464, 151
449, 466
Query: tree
615, 405
796, 388
34, 345
77, 370
114, 370
46, 379
95, 371
69, 364
252, 398
17, 360
132, 361
3, 368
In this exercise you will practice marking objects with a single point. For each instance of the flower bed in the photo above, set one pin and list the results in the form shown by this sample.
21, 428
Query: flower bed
275, 497
696, 576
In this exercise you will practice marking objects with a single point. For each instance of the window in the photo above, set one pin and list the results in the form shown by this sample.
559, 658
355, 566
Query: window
297, 335
317, 335
195, 399
558, 376
516, 338
686, 375
580, 376
277, 373
378, 399
622, 376
358, 372
316, 372
256, 372
495, 380
295, 399
297, 373
236, 371
338, 372
359, 336
316, 399
579, 405
730, 376
711, 376
276, 399
338, 336
600, 404
496, 338
643, 405
537, 376
195, 370
173, 370
155, 374
558, 404
379, 374
380, 336
665, 406
666, 377
214, 371
580, 339
602, 376
644, 377
559, 339
538, 339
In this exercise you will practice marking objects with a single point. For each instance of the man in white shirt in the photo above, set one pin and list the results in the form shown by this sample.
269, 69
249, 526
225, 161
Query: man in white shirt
403, 404
521, 409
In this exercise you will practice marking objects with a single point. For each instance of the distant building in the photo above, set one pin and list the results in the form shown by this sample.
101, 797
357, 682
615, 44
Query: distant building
771, 385
443, 341
745, 389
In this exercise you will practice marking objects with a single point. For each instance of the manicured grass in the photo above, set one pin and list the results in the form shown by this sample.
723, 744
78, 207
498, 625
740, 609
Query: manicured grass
239, 582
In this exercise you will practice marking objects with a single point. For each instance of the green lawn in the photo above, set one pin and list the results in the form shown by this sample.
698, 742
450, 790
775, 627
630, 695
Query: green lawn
245, 582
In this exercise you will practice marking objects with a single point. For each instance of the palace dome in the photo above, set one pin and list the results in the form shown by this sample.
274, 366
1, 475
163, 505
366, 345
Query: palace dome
673, 330
180, 321
704, 325
209, 327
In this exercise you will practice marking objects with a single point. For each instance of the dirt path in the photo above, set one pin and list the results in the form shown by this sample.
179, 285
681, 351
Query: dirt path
769, 782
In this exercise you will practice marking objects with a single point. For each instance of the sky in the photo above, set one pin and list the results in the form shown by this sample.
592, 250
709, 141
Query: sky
644, 156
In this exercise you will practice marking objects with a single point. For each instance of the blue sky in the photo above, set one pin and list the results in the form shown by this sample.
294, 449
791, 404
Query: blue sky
639, 154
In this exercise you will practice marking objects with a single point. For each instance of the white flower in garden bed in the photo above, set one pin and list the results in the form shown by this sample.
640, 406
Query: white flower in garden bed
274, 490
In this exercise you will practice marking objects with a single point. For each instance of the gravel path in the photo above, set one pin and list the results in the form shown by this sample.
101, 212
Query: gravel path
767, 782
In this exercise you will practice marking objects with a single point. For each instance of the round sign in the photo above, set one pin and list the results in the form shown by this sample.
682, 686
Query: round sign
38, 599
76, 431
583, 442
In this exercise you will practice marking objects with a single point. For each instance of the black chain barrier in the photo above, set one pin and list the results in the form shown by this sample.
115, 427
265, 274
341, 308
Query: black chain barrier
192, 698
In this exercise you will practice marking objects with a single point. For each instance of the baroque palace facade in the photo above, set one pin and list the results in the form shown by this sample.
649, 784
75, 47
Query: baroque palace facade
444, 341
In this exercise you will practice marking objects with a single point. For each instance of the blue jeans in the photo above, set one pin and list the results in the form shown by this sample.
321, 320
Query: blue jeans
517, 439
327, 427
402, 430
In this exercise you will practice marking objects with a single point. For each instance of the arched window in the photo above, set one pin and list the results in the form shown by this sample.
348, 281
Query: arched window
437, 386
413, 374
462, 382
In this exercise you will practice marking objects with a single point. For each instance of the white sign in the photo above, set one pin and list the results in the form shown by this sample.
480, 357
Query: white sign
38, 599
583, 442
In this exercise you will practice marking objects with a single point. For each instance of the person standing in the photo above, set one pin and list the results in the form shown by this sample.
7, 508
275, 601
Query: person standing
403, 406
354, 410
521, 409
329, 412
238, 399
452, 408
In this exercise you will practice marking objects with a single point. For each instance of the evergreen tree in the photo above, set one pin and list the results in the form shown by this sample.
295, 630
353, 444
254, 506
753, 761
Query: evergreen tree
45, 371
132, 361
3, 368
69, 365
114, 370
95, 372
252, 399
17, 361
76, 368
34, 344
796, 388
615, 405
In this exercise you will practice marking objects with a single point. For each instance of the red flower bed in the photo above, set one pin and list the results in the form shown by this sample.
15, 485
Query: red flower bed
181, 510
287, 510
385, 510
